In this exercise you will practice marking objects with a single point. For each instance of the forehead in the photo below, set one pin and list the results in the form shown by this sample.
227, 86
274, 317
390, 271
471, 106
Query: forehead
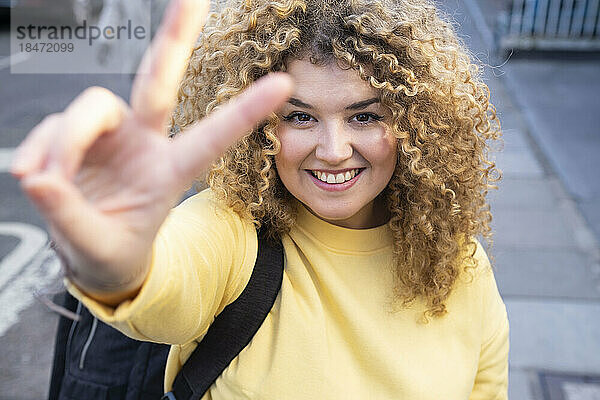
328, 84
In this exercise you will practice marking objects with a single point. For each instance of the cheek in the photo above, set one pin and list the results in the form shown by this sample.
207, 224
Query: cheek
381, 151
292, 153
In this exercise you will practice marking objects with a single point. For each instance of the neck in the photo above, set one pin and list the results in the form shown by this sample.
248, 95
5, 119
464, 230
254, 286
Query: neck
371, 215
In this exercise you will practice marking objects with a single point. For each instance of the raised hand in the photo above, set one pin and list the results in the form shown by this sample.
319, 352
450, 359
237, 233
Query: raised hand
104, 175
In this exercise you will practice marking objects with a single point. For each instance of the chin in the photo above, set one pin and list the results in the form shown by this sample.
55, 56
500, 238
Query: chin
333, 212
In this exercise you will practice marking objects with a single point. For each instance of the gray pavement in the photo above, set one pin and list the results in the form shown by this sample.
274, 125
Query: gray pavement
565, 120
546, 217
546, 213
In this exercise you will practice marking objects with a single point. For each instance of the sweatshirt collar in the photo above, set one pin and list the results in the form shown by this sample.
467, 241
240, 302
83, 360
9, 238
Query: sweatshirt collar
340, 238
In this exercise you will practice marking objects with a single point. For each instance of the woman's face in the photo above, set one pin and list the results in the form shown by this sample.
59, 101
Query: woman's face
337, 153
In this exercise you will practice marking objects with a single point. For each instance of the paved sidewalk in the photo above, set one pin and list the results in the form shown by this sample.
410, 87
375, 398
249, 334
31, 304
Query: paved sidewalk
547, 256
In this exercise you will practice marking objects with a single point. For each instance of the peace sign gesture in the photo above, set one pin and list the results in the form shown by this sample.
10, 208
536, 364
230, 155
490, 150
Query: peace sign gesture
103, 174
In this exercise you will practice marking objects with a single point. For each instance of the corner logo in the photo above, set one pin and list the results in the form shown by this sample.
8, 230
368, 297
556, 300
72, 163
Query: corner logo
81, 32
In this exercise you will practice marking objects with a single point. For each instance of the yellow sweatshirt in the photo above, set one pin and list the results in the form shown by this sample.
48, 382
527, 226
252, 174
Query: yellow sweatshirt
333, 332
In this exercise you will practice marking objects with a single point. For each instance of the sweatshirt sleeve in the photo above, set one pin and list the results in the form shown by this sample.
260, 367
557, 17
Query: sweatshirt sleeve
491, 381
202, 259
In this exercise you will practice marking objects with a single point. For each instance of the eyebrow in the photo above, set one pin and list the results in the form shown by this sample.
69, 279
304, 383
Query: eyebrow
299, 103
362, 104
354, 106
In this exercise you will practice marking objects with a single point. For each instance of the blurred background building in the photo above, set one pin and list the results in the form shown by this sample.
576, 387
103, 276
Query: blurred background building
542, 63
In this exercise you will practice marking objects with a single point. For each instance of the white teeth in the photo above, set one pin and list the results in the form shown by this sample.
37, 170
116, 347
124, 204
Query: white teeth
339, 178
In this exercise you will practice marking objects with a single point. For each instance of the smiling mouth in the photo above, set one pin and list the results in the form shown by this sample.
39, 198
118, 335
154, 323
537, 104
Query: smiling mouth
336, 178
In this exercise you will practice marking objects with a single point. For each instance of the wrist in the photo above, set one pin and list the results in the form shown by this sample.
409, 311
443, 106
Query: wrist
105, 287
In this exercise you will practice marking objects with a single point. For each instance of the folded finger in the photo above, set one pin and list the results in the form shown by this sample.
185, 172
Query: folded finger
31, 154
162, 67
94, 112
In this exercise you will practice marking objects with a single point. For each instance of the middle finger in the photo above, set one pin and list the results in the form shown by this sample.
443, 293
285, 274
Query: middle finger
162, 67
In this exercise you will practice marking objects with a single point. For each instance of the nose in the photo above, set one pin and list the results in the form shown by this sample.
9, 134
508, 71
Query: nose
334, 145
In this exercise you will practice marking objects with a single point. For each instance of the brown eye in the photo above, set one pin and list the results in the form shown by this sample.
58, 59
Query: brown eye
367, 118
299, 118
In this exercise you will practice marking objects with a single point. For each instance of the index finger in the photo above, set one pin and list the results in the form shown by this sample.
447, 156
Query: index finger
207, 139
154, 91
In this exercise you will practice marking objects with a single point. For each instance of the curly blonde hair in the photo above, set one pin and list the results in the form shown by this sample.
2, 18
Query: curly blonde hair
440, 109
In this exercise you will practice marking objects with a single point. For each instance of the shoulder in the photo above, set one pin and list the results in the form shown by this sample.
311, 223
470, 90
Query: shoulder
203, 215
475, 269
205, 202
205, 227
476, 291
204, 212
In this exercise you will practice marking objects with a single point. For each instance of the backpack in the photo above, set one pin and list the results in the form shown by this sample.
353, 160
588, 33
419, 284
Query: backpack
94, 361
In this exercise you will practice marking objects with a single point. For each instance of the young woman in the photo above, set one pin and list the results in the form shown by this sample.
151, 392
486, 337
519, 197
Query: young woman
356, 131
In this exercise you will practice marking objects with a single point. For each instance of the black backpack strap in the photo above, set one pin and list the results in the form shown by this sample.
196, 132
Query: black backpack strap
60, 344
235, 326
